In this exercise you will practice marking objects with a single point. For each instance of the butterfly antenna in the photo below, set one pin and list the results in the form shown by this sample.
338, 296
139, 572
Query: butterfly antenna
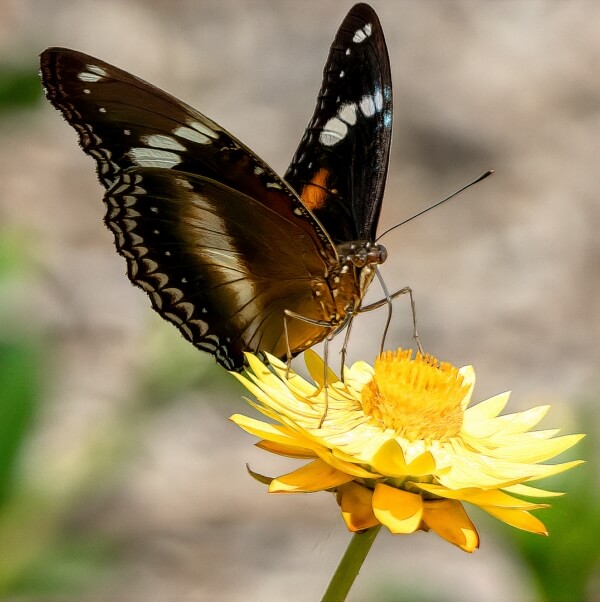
476, 181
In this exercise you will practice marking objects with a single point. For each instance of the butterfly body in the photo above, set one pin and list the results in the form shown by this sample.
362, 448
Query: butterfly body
236, 257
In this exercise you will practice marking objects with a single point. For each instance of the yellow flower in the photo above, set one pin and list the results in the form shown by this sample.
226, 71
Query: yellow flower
398, 445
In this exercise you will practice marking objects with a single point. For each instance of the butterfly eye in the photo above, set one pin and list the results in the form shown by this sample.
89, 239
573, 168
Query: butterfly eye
377, 254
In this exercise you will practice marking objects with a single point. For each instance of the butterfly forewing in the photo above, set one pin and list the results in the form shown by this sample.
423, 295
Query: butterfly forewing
125, 122
340, 166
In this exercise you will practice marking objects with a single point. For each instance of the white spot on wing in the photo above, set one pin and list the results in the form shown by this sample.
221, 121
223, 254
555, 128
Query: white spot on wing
334, 131
203, 129
86, 76
162, 141
191, 134
97, 70
348, 113
367, 105
153, 157
360, 35
378, 97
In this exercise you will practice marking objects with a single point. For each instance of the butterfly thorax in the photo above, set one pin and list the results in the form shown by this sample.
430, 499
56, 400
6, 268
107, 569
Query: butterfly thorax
357, 260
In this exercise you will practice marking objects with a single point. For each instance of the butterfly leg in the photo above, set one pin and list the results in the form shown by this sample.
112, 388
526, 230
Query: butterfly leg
388, 301
344, 351
293, 315
288, 351
325, 324
325, 385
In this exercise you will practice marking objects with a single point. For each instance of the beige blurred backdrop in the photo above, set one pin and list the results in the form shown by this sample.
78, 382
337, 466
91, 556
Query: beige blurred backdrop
506, 276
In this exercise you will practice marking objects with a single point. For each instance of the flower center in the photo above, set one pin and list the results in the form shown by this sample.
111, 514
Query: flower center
419, 399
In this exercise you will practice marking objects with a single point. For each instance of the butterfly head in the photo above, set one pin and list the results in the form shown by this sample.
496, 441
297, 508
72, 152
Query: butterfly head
360, 253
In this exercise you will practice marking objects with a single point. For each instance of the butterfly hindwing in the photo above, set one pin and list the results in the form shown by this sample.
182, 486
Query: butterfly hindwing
340, 167
225, 285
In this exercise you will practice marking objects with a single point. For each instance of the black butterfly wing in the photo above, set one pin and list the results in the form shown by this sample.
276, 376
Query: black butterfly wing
340, 167
125, 122
169, 170
216, 263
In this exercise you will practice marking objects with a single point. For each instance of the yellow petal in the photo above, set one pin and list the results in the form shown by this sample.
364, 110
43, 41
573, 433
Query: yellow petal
549, 470
355, 470
316, 369
480, 497
259, 477
261, 372
490, 408
495, 443
400, 511
532, 491
299, 386
450, 521
316, 476
468, 375
516, 423
520, 422
273, 361
356, 504
358, 375
471, 469
291, 451
521, 519
389, 460
527, 450
270, 432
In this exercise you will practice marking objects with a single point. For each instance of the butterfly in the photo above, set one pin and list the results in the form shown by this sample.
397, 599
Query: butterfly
236, 257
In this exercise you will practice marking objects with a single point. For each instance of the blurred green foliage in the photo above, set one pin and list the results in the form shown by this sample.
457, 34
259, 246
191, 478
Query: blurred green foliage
37, 555
20, 88
19, 390
565, 565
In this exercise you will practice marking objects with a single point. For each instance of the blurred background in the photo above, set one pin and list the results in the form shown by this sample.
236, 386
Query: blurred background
120, 475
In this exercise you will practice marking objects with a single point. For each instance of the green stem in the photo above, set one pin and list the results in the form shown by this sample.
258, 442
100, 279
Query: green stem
349, 566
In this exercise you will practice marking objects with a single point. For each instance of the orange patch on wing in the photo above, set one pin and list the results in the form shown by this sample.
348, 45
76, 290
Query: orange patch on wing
315, 193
